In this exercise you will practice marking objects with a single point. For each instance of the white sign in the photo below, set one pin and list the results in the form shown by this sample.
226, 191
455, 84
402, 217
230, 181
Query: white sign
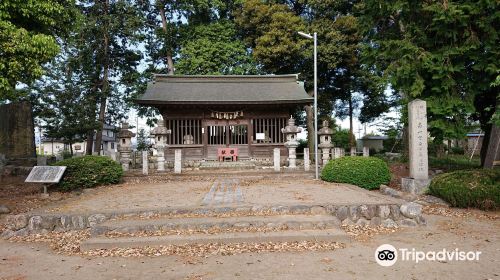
260, 136
45, 174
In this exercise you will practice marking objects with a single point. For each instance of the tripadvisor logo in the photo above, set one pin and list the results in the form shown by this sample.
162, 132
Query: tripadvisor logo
387, 255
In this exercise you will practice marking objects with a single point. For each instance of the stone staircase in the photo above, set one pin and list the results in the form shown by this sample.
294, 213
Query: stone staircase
135, 232
239, 165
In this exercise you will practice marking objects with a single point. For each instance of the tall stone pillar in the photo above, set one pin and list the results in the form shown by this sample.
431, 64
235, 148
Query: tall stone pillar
325, 139
419, 164
160, 134
307, 162
125, 145
290, 132
353, 151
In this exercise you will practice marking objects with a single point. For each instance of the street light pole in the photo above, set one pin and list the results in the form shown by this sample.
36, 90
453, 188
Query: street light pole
316, 105
314, 37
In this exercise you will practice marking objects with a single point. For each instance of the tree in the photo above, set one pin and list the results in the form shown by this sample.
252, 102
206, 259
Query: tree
142, 140
60, 98
443, 52
342, 138
27, 40
108, 51
270, 29
214, 49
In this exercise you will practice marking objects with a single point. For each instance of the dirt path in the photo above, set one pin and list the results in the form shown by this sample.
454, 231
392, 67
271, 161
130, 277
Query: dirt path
36, 261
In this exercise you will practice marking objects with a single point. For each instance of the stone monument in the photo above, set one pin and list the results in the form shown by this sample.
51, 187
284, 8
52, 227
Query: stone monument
125, 145
353, 151
290, 132
160, 134
325, 141
417, 132
17, 134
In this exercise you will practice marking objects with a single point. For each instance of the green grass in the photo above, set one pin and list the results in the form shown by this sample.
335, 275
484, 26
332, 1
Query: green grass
454, 162
479, 188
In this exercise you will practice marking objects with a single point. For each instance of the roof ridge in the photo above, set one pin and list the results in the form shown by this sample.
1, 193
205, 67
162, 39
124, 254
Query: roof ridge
227, 78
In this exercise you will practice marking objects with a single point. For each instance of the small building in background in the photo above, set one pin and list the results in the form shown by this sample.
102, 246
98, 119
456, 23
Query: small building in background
52, 146
373, 142
474, 142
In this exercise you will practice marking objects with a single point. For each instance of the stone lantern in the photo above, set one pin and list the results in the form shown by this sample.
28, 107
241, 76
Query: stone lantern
160, 134
325, 141
291, 143
125, 145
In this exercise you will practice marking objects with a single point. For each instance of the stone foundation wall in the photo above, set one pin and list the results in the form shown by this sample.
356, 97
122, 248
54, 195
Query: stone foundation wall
389, 215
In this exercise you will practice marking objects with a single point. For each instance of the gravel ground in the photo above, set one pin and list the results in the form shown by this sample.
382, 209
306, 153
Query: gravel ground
449, 229
254, 191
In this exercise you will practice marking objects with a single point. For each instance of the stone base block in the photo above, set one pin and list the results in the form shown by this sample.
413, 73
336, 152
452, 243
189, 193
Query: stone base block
415, 186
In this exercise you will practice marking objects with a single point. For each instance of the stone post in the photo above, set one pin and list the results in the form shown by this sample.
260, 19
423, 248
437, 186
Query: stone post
145, 166
366, 151
290, 132
336, 153
41, 161
277, 159
125, 145
113, 155
325, 139
307, 162
178, 161
417, 132
353, 151
160, 134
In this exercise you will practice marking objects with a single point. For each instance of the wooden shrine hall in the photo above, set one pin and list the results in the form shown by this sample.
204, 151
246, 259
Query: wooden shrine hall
206, 113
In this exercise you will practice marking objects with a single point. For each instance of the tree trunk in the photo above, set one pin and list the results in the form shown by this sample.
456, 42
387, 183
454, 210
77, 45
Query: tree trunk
71, 147
90, 142
486, 142
310, 130
492, 153
489, 150
104, 88
351, 126
406, 142
168, 58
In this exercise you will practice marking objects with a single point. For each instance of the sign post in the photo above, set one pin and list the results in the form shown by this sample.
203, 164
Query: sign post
45, 175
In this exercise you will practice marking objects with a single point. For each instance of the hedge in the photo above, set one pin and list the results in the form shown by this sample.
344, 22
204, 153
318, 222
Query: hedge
88, 172
478, 188
365, 172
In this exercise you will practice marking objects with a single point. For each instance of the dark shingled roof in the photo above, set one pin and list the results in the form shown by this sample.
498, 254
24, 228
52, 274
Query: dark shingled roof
229, 89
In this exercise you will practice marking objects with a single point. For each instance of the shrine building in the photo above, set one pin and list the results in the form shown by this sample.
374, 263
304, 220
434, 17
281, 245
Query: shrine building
205, 113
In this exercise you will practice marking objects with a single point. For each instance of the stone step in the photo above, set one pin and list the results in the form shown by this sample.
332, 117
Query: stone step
241, 165
327, 235
203, 223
